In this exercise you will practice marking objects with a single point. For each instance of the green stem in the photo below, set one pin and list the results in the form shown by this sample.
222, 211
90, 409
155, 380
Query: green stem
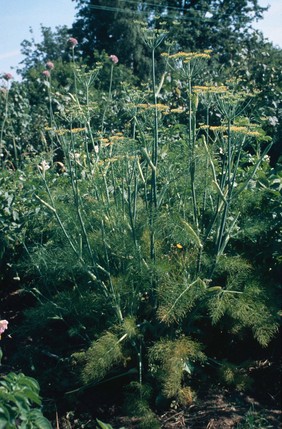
74, 73
192, 167
78, 204
3, 125
113, 292
109, 97
50, 103
229, 191
132, 203
153, 196
206, 169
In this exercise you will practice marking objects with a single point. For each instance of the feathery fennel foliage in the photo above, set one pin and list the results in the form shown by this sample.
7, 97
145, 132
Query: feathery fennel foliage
169, 360
100, 357
137, 403
141, 232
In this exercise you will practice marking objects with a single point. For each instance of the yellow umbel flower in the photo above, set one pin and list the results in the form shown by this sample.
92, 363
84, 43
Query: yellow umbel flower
77, 130
188, 56
209, 89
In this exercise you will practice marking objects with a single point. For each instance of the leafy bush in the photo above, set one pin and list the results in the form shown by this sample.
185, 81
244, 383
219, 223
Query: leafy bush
20, 403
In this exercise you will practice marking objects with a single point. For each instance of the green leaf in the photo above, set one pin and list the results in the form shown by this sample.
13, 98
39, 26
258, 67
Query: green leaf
4, 414
192, 234
214, 289
32, 396
39, 420
219, 191
103, 425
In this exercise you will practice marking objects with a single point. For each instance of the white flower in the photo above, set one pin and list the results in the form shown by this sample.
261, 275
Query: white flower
43, 166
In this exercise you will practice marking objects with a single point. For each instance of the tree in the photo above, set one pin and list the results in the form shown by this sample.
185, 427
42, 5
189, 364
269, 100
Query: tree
53, 46
53, 49
216, 24
109, 25
257, 65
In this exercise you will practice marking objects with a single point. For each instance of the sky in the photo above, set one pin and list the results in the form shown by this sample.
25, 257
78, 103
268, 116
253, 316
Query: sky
17, 16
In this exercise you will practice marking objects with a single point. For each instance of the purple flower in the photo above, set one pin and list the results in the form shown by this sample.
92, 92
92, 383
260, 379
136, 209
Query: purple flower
3, 326
46, 73
72, 42
114, 59
7, 76
50, 65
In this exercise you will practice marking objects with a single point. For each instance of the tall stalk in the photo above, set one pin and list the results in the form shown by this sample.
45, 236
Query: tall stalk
5, 117
204, 201
78, 201
225, 184
153, 193
191, 133
74, 71
109, 100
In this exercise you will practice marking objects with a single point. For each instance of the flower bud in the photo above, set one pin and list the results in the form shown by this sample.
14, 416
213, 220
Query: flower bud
72, 42
114, 59
3, 326
7, 76
50, 65
46, 73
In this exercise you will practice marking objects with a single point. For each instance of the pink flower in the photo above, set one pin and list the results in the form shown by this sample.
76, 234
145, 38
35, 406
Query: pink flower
7, 76
3, 326
114, 59
46, 73
73, 42
50, 65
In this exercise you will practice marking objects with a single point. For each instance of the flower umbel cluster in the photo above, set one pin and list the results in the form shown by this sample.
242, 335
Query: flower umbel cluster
188, 56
